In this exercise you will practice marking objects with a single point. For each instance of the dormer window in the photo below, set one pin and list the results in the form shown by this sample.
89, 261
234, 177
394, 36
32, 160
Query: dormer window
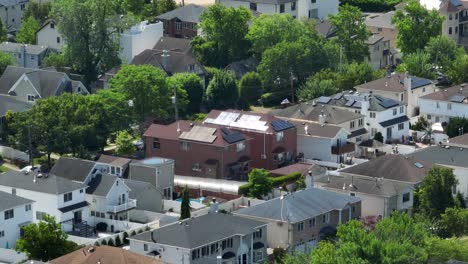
52, 25
191, 67
31, 98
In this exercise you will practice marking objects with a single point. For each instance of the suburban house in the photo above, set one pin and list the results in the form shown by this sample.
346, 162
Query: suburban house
400, 87
297, 8
159, 172
325, 28
48, 36
274, 141
11, 13
384, 184
118, 166
53, 195
329, 115
298, 221
15, 212
182, 22
209, 239
31, 84
98, 254
138, 38
451, 155
381, 23
221, 153
240, 68
148, 197
380, 55
384, 115
12, 104
26, 55
444, 104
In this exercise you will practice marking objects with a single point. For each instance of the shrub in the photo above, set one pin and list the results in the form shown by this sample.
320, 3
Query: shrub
125, 238
104, 242
111, 242
287, 179
97, 244
133, 233
378, 136
101, 226
244, 189
118, 242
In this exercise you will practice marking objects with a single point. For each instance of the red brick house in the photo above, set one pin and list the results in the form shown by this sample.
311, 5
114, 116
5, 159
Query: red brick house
274, 141
201, 150
182, 22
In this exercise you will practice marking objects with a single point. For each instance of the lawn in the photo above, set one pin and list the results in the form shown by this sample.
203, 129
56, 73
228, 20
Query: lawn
3, 169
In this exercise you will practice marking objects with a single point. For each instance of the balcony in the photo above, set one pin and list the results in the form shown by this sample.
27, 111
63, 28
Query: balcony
123, 207
345, 148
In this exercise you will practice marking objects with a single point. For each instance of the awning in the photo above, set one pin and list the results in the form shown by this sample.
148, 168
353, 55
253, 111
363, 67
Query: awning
258, 245
229, 255
73, 207
372, 143
394, 121
358, 132
153, 253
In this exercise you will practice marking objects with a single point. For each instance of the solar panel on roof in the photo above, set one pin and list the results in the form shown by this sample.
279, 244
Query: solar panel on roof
226, 131
349, 103
280, 125
233, 137
324, 100
457, 98
380, 98
338, 96
419, 165
388, 103
357, 105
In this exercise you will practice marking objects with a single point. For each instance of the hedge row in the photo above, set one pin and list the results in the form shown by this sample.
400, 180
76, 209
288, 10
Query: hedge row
372, 5
276, 181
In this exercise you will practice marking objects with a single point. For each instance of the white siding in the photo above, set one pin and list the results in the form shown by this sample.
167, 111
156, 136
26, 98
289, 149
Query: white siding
138, 39
50, 37
429, 107
11, 227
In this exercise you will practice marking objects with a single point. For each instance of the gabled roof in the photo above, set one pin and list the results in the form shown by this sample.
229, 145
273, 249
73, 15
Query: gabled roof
459, 141
240, 68
353, 100
394, 83
114, 160
202, 230
51, 184
380, 20
325, 28
9, 201
137, 188
448, 94
103, 254
174, 44
73, 169
187, 13
299, 206
47, 22
16, 47
14, 104
374, 38
443, 155
299, 167
100, 185
392, 167
314, 129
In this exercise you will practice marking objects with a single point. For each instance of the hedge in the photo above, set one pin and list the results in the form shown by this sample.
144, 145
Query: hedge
372, 5
277, 181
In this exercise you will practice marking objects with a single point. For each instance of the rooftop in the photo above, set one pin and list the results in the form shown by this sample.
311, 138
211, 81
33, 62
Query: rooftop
174, 44
454, 94
459, 141
394, 83
100, 185
443, 155
299, 206
187, 13
354, 100
11, 201
383, 20
16, 47
374, 38
114, 160
392, 167
73, 169
198, 231
314, 129
13, 104
299, 167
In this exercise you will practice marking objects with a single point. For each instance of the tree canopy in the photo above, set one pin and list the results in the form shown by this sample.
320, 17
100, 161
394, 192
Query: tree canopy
5, 61
38, 10
436, 192
27, 32
458, 71
454, 125
222, 91
3, 32
442, 51
192, 84
185, 204
124, 143
250, 88
418, 64
260, 183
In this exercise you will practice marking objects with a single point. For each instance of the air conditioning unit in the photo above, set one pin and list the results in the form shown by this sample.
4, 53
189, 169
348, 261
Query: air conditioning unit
263, 156
161, 249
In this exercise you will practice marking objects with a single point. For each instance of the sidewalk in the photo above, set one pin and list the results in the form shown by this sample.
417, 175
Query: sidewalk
10, 166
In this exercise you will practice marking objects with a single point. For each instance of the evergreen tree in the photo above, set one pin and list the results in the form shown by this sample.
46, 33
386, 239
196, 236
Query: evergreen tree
185, 205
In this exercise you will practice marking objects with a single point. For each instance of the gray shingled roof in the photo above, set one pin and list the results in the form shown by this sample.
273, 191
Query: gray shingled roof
453, 156
9, 201
314, 129
342, 99
199, 231
299, 206
380, 20
187, 13
16, 47
52, 184
13, 103
174, 44
72, 168
100, 185
137, 188
459, 141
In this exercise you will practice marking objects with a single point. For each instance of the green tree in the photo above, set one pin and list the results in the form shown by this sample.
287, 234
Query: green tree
27, 32
192, 84
124, 142
443, 250
166, 6
436, 192
56, 60
356, 73
133, 6
454, 125
378, 136
260, 183
185, 204
45, 240
3, 32
91, 46
416, 26
5, 61
460, 200
418, 64
351, 32
224, 39
453, 222
314, 88
250, 88
443, 51
38, 10
458, 71
222, 90
116, 105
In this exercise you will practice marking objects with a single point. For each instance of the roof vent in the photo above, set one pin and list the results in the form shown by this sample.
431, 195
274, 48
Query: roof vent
447, 147
314, 103
418, 165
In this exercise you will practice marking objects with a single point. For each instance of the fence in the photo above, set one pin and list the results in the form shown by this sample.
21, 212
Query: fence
13, 154
230, 206
11, 256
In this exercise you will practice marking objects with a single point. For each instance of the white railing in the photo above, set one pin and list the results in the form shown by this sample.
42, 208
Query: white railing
119, 208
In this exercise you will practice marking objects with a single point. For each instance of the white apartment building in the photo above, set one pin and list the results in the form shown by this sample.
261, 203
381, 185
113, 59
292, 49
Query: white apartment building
138, 38
15, 212
443, 104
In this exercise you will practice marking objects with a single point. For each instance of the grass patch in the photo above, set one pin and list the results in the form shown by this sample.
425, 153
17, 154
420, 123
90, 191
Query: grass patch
3, 169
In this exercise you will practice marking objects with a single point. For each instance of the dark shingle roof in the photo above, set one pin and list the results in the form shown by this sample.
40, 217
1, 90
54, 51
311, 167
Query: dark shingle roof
174, 44
100, 185
306, 111
381, 20
392, 167
299, 206
358, 132
187, 13
394, 121
374, 38
299, 167
11, 201
52, 184
114, 160
13, 103
199, 231
453, 156
353, 100
448, 94
314, 129
240, 68
137, 188
394, 83
16, 47
73, 169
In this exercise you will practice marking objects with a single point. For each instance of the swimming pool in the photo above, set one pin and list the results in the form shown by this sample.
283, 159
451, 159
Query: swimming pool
199, 200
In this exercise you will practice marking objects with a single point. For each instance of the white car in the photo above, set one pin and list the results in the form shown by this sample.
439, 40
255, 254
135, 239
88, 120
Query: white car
28, 169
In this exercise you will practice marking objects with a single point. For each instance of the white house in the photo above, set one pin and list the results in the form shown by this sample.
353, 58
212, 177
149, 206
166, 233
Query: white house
49, 36
15, 212
444, 104
11, 13
26, 55
64, 199
320, 9
138, 38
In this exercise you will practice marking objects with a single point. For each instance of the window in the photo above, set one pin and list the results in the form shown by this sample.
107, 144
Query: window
13, 191
358, 139
437, 119
402, 109
313, 13
40, 215
58, 39
373, 131
184, 146
93, 213
23, 6
204, 251
213, 248
450, 17
145, 247
424, 89
429, 117
450, 30
394, 111
313, 1
118, 170
2, 233
353, 208
293, 6
449, 106
258, 255
456, 15
112, 170
67, 197
227, 243
257, 234
31, 98
351, 124
52, 25
33, 58
379, 29
401, 126
326, 218
456, 29
312, 222
178, 25
156, 143
196, 167
279, 136
27, 207
361, 122
81, 190
401, 97
282, 8
253, 6
240, 146
352, 194
191, 67
372, 114
300, 227
196, 254
9, 214
167, 192
406, 197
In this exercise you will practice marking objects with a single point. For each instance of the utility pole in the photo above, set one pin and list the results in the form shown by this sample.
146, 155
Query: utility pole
174, 101
31, 160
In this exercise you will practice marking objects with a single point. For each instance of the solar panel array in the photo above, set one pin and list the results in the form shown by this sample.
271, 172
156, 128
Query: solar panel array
232, 136
350, 103
388, 103
457, 98
280, 125
324, 100
239, 121
338, 96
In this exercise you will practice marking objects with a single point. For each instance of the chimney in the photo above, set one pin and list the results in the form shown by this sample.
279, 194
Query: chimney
306, 129
407, 82
309, 179
322, 118
213, 206
165, 60
365, 104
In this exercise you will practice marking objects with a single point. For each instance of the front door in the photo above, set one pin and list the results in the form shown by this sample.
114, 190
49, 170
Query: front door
389, 133
77, 217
